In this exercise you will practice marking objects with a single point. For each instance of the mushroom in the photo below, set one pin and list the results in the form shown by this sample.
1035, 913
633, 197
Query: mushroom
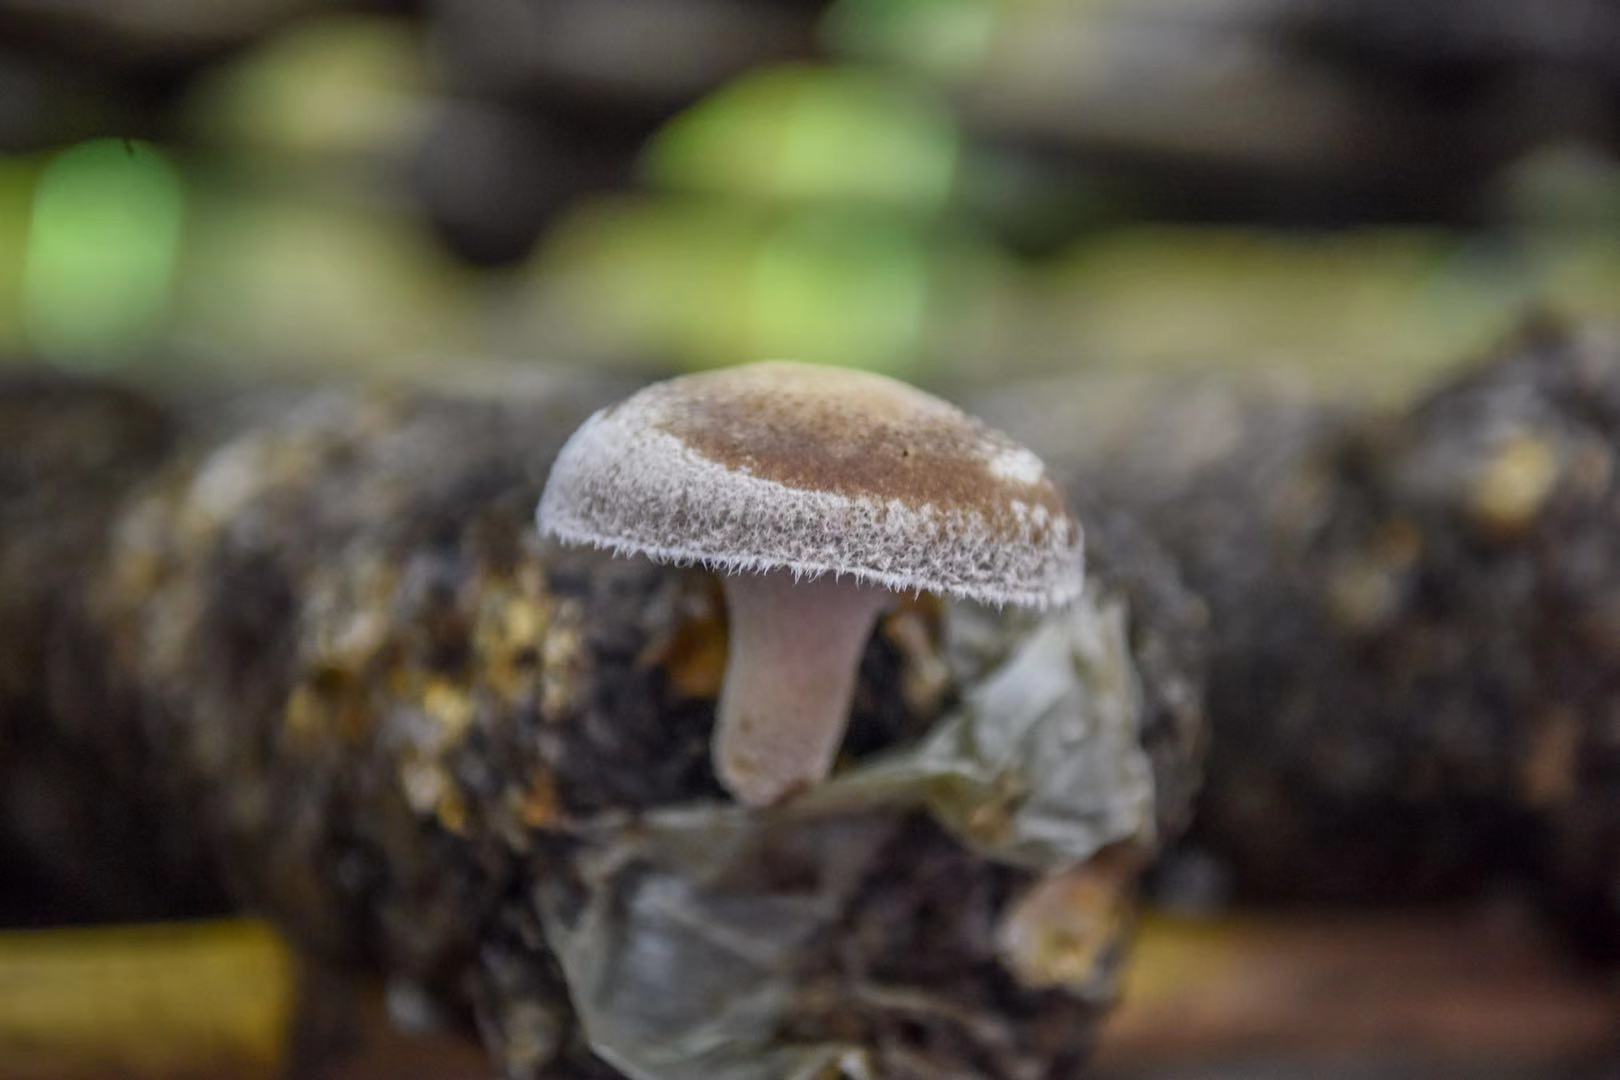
818, 492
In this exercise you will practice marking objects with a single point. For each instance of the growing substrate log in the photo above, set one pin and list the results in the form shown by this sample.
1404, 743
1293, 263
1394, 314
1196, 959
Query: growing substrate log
323, 646
314, 640
1416, 657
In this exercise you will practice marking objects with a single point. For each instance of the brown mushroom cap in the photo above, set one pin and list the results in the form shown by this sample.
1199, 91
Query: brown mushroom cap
784, 466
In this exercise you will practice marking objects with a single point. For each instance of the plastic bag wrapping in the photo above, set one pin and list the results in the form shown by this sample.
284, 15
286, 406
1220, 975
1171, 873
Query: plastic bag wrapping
1040, 765
680, 964
681, 937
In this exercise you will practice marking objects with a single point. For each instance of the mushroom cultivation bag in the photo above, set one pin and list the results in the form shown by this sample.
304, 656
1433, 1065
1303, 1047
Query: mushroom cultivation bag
680, 938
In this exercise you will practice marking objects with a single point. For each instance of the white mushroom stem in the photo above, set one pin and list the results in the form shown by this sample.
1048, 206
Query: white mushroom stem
794, 651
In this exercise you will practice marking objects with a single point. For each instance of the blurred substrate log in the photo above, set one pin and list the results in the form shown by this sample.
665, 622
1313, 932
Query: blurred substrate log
1416, 660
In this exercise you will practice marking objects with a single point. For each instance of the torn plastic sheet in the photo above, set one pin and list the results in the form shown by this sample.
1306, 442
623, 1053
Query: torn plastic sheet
681, 937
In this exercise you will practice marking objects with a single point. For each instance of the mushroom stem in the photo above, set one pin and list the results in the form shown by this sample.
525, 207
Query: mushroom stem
794, 651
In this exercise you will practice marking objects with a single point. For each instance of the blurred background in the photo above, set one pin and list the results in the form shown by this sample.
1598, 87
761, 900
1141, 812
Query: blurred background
1361, 192
938, 189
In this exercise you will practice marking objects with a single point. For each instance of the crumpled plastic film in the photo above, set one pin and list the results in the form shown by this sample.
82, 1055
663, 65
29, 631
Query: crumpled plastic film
1040, 765
683, 933
681, 962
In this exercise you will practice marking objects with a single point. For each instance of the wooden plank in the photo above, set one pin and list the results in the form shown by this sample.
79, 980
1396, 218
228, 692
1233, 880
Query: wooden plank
163, 1000
1461, 992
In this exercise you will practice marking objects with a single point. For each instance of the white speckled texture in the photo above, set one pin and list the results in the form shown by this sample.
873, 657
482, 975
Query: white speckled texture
625, 483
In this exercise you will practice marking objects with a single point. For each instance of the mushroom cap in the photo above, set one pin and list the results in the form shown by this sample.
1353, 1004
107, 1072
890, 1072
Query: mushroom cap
814, 470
